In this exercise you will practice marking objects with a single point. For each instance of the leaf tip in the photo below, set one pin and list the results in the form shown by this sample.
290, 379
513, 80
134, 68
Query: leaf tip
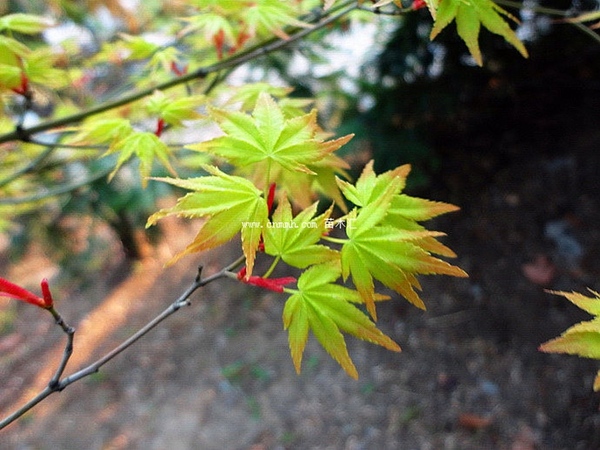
597, 382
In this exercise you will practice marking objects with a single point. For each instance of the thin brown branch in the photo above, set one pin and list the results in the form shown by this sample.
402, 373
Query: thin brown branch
56, 384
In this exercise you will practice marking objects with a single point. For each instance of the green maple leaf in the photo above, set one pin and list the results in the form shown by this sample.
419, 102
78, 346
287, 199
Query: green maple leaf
294, 239
146, 146
212, 24
387, 244
301, 186
406, 211
10, 75
227, 202
11, 51
582, 339
139, 47
268, 141
165, 59
175, 110
249, 93
469, 16
25, 23
102, 131
39, 68
418, 209
369, 187
267, 17
327, 309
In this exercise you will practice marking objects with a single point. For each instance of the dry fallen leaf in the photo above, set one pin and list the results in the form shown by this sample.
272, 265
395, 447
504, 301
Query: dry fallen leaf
541, 271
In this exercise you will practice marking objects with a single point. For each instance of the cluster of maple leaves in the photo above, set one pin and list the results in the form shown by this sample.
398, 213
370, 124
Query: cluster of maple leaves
279, 159
385, 241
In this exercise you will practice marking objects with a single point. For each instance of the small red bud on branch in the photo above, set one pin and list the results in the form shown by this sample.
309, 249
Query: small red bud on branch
160, 126
8, 289
219, 41
178, 71
418, 4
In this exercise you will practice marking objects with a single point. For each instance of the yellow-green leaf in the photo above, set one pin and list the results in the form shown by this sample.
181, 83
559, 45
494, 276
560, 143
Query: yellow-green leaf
469, 16
270, 17
586, 344
139, 47
39, 67
432, 5
147, 147
268, 141
229, 203
582, 339
588, 304
25, 23
175, 110
387, 244
369, 187
418, 208
102, 131
10, 50
249, 93
10, 76
294, 239
327, 309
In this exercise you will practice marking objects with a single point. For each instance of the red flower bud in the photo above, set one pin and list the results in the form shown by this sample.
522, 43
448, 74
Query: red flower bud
242, 37
160, 126
49, 301
8, 289
178, 71
219, 41
418, 4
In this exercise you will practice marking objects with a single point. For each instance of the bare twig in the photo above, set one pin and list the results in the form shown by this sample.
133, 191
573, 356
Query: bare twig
53, 384
552, 12
68, 351
28, 168
56, 191
386, 12
57, 384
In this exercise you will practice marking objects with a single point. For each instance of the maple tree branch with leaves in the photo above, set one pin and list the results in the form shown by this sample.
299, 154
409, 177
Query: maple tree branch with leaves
270, 163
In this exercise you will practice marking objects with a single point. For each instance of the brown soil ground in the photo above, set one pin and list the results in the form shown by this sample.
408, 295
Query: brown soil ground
218, 375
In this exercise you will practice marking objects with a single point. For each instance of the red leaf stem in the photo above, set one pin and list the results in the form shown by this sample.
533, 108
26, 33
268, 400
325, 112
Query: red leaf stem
219, 41
273, 284
271, 197
23, 88
160, 126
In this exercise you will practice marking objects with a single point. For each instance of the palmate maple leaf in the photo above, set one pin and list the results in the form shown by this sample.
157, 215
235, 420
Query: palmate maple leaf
267, 143
266, 17
294, 239
583, 338
227, 202
385, 242
469, 16
147, 147
328, 309
302, 186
